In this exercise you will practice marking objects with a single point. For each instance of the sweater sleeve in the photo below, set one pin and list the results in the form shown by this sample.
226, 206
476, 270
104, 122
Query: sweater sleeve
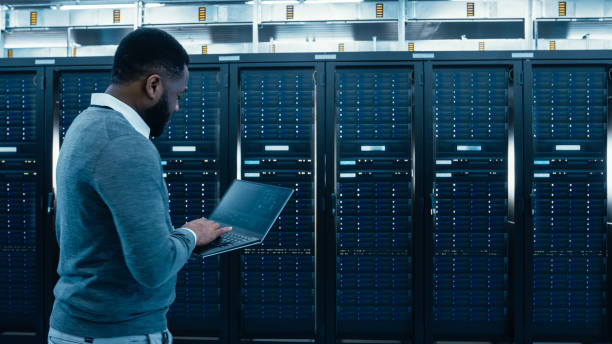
128, 177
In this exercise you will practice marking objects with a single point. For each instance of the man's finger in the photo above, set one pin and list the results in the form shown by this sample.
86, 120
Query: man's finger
225, 229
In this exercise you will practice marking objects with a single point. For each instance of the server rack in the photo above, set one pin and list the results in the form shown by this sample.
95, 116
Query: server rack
195, 167
471, 112
67, 93
275, 129
373, 128
325, 323
59, 113
193, 162
567, 146
21, 201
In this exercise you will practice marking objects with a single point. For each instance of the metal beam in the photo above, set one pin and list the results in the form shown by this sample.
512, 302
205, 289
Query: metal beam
139, 14
256, 20
529, 23
401, 25
3, 15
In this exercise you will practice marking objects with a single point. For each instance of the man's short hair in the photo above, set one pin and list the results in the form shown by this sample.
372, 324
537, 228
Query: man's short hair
146, 51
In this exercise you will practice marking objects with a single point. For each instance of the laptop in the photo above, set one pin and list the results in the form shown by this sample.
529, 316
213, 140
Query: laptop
250, 209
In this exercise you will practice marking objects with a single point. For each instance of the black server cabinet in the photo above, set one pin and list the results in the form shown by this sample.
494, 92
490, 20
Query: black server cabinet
472, 110
276, 116
373, 124
21, 204
193, 163
67, 92
567, 147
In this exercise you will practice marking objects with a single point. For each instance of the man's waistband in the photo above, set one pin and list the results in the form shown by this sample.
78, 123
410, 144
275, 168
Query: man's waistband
163, 337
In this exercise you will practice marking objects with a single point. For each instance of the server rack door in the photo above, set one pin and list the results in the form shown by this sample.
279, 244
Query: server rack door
473, 273
190, 148
277, 145
22, 219
568, 149
372, 123
194, 165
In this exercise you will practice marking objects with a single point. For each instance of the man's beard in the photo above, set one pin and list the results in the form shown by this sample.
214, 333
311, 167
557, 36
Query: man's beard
157, 116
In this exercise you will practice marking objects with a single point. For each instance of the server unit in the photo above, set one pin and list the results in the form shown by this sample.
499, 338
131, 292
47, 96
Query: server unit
190, 148
473, 272
21, 194
567, 122
278, 116
371, 137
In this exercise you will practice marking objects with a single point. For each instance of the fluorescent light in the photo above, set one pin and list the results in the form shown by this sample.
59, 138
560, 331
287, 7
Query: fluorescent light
95, 7
278, 2
153, 4
331, 1
272, 2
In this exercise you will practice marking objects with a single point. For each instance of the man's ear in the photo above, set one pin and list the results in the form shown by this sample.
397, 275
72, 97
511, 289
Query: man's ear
153, 87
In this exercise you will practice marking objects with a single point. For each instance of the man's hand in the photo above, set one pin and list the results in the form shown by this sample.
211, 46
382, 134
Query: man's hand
206, 230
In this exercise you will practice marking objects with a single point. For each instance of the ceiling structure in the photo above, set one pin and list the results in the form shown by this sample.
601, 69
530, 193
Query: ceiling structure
238, 26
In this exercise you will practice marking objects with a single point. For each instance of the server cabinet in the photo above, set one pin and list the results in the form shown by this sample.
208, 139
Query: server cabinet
67, 92
191, 149
195, 167
568, 158
275, 122
21, 198
474, 285
373, 126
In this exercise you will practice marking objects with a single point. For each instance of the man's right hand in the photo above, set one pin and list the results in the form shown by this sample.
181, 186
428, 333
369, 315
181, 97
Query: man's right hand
206, 230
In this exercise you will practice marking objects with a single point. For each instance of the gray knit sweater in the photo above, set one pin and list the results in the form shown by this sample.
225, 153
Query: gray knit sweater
119, 254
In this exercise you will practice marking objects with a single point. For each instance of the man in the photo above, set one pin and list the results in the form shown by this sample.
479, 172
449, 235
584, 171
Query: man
119, 254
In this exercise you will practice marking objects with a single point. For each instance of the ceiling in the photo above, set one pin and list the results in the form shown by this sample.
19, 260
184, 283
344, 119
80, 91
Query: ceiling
47, 3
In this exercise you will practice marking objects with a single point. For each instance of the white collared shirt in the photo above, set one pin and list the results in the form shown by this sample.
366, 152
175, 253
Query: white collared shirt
105, 99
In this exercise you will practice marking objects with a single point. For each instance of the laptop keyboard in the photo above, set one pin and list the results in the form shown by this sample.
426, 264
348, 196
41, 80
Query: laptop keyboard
229, 239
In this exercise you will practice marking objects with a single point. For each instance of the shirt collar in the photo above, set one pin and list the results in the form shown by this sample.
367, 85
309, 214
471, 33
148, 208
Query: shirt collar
105, 99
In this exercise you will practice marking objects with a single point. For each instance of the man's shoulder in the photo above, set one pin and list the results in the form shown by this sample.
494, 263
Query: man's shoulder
102, 125
104, 119
133, 146
106, 130
126, 157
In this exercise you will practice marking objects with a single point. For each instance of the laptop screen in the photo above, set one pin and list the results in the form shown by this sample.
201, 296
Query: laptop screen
251, 206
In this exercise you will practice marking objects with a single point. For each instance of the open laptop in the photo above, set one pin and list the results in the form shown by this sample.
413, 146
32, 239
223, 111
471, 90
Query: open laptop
250, 209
